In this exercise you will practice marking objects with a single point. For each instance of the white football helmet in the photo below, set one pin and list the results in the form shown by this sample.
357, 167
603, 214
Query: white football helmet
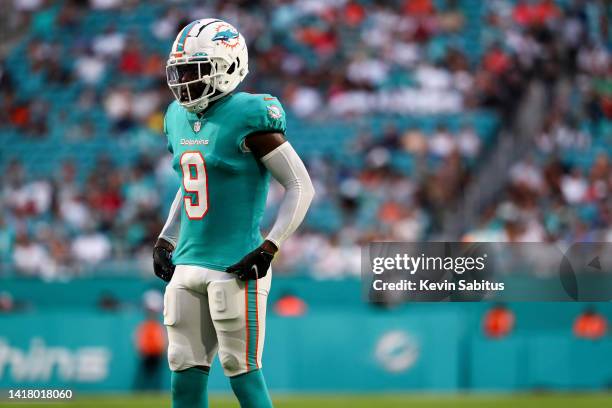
208, 60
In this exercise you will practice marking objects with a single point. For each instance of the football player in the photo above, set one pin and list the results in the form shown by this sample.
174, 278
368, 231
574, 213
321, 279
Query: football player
225, 146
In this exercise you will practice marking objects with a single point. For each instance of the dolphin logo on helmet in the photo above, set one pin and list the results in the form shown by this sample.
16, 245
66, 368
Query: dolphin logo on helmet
225, 35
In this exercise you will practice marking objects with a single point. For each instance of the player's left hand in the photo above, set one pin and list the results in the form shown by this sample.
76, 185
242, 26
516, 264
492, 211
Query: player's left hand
162, 260
255, 264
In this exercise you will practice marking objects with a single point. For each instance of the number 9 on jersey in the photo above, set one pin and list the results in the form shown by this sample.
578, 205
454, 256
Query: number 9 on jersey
195, 183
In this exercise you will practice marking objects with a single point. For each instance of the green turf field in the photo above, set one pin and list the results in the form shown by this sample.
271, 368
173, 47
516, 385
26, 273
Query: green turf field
352, 401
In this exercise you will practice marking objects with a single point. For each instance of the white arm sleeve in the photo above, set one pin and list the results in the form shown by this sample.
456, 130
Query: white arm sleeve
288, 169
170, 232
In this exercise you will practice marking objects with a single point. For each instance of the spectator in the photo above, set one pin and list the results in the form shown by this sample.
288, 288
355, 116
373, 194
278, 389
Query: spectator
91, 248
498, 322
289, 305
151, 345
574, 187
89, 68
469, 143
442, 143
109, 44
590, 325
31, 258
496, 61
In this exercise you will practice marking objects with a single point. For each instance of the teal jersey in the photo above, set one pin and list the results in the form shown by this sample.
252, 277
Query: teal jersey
224, 186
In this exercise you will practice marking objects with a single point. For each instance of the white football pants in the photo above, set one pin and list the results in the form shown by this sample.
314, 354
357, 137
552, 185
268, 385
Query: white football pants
206, 310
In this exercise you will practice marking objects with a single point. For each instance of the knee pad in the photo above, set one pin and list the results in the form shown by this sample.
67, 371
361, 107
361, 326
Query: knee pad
230, 363
176, 359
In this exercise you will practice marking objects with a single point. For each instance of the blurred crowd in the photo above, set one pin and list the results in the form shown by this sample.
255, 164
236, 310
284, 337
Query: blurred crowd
562, 190
57, 227
92, 71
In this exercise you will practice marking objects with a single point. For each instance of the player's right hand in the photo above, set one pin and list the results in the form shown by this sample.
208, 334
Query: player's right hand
162, 260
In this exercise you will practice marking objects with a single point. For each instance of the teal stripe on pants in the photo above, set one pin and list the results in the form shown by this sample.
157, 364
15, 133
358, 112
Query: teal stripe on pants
252, 324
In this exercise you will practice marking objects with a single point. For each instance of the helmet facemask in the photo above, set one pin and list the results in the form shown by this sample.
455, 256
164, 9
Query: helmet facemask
194, 82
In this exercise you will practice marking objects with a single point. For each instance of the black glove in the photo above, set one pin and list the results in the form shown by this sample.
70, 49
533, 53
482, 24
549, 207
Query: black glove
162, 260
255, 264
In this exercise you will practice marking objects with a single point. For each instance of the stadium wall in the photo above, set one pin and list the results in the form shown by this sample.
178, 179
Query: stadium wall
419, 347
